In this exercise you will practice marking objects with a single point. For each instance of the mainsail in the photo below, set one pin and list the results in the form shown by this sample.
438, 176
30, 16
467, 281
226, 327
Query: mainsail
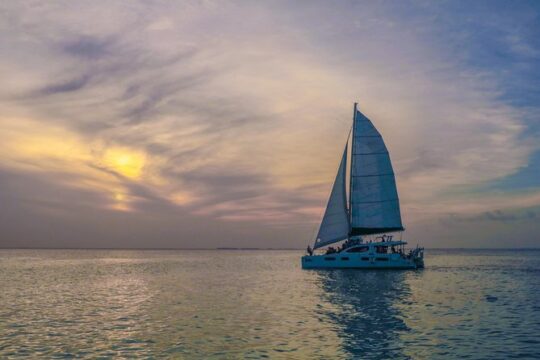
374, 202
335, 223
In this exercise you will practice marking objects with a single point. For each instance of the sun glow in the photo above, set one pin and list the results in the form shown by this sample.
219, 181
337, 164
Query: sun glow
85, 163
124, 161
182, 198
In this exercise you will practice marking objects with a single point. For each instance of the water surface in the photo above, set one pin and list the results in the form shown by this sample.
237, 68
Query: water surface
476, 304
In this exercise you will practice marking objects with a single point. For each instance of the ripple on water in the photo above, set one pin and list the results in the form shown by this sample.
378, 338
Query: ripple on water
260, 304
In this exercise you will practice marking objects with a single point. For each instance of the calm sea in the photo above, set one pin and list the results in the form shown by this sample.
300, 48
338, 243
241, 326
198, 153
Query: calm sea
475, 304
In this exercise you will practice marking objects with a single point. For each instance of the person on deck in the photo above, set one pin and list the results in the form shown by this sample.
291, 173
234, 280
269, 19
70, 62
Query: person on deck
309, 250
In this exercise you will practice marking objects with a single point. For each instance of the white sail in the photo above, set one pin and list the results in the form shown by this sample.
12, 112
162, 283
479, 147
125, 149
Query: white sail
374, 200
335, 223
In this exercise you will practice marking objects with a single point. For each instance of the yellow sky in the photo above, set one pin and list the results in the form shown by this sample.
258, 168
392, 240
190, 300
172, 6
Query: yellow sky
239, 114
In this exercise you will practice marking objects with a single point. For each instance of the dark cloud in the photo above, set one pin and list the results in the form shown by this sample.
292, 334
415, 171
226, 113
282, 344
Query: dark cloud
155, 95
138, 82
88, 48
65, 87
498, 216
228, 192
84, 47
222, 185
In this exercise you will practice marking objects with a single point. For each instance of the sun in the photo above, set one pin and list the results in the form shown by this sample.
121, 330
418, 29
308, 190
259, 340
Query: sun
126, 162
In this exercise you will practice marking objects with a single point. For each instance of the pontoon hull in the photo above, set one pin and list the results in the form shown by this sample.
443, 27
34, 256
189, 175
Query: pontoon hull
360, 261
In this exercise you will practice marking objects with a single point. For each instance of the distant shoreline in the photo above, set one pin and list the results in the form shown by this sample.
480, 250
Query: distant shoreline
240, 249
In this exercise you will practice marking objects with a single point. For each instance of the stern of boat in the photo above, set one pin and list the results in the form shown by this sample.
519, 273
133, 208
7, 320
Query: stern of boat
418, 257
307, 262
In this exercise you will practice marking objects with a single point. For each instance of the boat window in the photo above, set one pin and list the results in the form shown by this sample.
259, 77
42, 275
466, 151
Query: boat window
381, 259
329, 258
365, 259
307, 260
359, 249
344, 258
381, 249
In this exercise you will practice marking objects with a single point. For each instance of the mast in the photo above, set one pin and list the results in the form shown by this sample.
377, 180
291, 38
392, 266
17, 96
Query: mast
352, 167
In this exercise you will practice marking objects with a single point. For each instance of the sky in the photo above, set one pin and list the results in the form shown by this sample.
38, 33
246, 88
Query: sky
202, 124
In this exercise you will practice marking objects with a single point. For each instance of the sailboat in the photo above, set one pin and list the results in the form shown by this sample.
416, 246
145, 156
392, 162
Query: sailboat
366, 222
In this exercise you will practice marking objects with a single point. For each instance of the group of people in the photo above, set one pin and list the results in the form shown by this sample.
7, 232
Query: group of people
385, 238
347, 244
332, 250
353, 242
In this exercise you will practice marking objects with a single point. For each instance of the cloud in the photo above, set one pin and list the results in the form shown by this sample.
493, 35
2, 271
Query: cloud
525, 177
239, 112
68, 86
87, 47
498, 216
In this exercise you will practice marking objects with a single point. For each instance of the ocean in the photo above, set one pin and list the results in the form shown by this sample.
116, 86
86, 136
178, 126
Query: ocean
226, 304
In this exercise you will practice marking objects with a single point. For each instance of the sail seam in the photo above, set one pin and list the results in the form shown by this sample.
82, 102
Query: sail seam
373, 153
373, 175
374, 202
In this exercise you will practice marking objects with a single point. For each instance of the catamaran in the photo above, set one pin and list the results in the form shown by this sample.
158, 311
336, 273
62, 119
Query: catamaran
365, 223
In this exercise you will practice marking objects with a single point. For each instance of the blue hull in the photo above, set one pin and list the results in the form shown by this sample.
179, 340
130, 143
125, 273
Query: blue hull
360, 261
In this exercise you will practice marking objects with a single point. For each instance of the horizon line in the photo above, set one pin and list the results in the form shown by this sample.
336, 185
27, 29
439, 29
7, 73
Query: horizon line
243, 248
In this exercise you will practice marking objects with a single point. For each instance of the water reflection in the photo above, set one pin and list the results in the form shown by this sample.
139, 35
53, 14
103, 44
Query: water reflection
366, 310
73, 303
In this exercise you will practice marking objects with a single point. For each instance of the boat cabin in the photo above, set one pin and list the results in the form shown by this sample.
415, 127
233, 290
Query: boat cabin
379, 247
371, 255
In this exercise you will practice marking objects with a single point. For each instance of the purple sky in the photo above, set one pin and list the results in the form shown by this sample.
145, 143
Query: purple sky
208, 124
